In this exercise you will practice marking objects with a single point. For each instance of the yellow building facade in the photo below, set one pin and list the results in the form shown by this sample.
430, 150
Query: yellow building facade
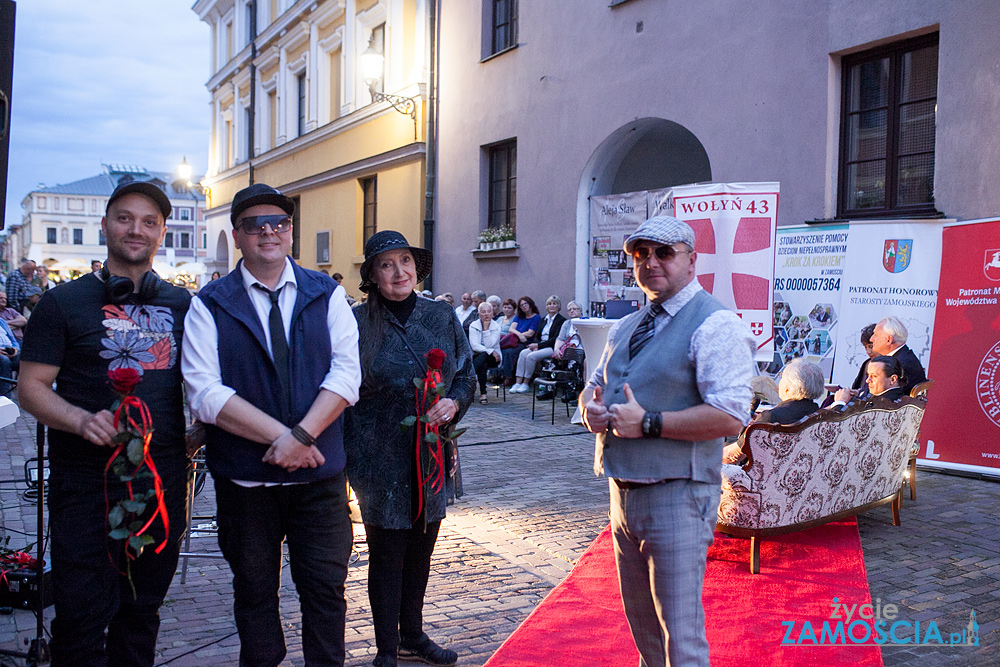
287, 82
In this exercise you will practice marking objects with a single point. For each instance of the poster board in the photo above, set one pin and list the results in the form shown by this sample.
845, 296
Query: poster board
612, 219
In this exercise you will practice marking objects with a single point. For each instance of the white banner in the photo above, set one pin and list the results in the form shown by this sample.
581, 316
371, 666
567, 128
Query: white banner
892, 268
734, 226
612, 219
807, 281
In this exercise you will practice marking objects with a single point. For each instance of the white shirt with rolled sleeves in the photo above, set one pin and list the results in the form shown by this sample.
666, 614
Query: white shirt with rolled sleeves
200, 353
722, 350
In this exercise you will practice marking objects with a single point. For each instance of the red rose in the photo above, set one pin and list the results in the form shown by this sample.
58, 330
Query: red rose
435, 358
124, 380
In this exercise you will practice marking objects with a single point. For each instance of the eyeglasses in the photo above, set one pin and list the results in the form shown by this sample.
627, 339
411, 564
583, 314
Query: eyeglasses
664, 253
254, 224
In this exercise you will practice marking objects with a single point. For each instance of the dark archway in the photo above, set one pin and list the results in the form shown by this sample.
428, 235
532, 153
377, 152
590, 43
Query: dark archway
645, 154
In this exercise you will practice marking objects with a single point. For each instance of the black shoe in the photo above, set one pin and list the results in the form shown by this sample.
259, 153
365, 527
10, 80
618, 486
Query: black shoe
430, 653
384, 660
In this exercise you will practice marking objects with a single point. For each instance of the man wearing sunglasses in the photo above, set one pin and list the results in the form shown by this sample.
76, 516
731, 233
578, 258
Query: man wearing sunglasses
270, 361
673, 380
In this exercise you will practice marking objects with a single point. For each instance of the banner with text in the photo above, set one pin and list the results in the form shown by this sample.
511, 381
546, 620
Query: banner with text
891, 268
807, 278
734, 226
612, 219
961, 428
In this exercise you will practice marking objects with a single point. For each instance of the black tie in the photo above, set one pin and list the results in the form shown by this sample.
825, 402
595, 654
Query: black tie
644, 332
279, 345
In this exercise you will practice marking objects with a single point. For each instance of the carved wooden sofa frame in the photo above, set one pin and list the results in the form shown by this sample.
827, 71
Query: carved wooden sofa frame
827, 467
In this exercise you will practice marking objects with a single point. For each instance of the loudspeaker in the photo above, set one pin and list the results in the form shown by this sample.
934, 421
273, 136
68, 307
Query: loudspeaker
119, 289
7, 12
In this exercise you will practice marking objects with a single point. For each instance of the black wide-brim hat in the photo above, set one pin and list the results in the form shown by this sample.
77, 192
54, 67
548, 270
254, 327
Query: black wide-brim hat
392, 240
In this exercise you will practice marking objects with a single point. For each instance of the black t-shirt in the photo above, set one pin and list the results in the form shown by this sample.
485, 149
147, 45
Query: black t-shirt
72, 327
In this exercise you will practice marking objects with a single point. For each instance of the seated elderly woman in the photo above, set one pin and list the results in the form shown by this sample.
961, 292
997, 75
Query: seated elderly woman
540, 348
508, 307
568, 337
800, 385
484, 338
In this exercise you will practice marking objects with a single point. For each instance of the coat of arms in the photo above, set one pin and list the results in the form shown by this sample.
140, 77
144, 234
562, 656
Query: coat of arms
896, 254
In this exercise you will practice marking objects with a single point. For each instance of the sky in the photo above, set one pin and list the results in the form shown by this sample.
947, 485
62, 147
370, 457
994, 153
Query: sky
105, 81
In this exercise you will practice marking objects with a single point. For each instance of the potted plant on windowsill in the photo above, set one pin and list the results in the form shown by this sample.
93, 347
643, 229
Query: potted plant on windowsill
507, 239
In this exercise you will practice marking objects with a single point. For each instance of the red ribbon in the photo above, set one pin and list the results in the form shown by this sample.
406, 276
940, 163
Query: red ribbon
435, 476
19, 560
144, 428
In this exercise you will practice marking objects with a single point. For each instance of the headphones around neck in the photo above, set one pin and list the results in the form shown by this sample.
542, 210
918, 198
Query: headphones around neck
118, 290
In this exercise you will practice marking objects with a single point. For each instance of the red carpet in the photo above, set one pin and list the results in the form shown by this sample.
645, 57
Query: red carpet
582, 623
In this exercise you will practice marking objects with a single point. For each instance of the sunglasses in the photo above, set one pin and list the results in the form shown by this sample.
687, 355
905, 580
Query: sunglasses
664, 253
254, 224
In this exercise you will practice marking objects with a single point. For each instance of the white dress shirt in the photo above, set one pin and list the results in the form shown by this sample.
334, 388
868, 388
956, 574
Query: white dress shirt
462, 312
200, 352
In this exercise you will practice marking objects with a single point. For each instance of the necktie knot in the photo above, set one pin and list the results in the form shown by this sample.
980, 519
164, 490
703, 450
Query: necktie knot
644, 332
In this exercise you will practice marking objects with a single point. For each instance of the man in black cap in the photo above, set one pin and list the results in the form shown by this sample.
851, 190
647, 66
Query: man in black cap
122, 320
270, 361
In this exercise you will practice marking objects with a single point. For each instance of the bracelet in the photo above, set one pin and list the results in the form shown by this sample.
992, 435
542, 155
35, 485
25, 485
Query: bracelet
652, 424
303, 436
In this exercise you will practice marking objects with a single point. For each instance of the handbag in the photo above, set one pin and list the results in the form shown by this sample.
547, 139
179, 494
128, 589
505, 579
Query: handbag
508, 341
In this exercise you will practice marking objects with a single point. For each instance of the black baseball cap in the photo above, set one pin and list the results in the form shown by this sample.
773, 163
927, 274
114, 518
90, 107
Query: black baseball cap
256, 194
128, 185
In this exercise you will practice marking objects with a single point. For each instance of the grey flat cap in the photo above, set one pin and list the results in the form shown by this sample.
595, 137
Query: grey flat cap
664, 229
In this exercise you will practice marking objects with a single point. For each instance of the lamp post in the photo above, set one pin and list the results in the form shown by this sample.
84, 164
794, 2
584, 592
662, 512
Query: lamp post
184, 171
372, 67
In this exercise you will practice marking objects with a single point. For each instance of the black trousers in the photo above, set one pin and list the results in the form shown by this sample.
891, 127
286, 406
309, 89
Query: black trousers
483, 361
399, 562
253, 524
98, 621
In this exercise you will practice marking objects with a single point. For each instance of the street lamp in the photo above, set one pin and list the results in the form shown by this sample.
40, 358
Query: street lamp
372, 68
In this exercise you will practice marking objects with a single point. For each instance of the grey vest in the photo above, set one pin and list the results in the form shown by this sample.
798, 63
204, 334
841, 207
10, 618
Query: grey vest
662, 379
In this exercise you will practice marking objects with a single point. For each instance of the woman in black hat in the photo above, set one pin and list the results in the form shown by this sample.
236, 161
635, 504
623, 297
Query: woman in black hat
401, 506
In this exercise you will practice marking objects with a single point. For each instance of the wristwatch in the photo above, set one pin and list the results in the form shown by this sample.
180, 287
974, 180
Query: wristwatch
647, 423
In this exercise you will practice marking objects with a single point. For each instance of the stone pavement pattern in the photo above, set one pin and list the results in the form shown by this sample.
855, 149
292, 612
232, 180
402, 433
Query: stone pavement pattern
531, 507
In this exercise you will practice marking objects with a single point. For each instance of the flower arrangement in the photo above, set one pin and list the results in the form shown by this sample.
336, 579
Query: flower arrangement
129, 462
493, 237
429, 440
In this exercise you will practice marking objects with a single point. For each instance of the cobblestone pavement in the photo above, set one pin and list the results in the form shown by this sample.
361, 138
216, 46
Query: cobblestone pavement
531, 507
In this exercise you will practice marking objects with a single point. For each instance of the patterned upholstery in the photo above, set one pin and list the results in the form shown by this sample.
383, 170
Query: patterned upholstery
829, 463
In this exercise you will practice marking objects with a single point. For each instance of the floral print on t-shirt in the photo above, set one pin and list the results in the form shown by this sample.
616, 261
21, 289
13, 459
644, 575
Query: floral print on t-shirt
139, 337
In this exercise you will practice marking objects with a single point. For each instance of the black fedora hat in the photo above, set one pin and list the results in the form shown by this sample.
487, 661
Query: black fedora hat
259, 193
392, 240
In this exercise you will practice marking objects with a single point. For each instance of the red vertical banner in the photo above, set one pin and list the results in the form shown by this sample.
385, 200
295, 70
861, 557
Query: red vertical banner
961, 428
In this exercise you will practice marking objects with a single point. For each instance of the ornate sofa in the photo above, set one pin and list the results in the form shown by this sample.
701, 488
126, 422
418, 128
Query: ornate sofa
831, 465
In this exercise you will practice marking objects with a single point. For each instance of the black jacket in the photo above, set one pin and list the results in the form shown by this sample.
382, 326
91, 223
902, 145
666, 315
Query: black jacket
913, 372
788, 412
554, 330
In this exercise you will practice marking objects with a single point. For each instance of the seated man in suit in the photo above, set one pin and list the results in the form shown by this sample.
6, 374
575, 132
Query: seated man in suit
889, 339
800, 385
886, 377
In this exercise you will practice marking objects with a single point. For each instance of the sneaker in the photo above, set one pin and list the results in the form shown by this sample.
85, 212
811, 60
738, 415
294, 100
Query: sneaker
524, 389
516, 389
429, 653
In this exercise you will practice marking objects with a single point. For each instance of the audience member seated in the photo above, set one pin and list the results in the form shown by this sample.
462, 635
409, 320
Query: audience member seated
484, 337
525, 327
541, 348
568, 337
800, 385
14, 319
447, 298
886, 377
889, 339
10, 356
478, 297
497, 304
463, 311
506, 317
860, 385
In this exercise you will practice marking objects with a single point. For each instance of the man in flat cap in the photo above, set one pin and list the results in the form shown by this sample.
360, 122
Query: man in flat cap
270, 362
673, 380
120, 322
